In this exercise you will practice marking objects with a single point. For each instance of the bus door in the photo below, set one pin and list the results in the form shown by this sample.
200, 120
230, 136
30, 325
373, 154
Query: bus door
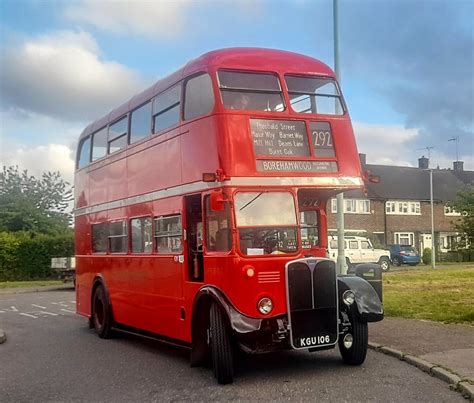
194, 238
312, 225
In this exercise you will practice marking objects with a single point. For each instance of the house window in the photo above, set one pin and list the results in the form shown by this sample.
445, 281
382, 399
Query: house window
448, 210
402, 207
352, 206
404, 238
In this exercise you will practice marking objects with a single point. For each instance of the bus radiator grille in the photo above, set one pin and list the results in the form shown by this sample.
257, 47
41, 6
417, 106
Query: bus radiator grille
266, 277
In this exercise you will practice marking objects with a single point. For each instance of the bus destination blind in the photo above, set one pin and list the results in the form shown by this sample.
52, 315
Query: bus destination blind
279, 138
287, 138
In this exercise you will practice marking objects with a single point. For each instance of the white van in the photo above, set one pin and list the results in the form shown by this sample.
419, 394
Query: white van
359, 249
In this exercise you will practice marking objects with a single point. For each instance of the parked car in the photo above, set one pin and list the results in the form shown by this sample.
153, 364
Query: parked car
358, 249
404, 254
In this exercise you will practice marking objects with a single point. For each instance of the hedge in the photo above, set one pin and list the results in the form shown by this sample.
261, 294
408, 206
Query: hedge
27, 256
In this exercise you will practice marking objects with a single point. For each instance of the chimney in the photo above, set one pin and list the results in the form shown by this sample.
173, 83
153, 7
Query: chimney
423, 162
362, 158
458, 166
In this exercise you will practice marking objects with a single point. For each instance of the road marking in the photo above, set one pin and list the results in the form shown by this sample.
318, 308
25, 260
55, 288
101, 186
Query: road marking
2, 311
30, 316
72, 302
48, 313
38, 306
54, 303
13, 309
67, 310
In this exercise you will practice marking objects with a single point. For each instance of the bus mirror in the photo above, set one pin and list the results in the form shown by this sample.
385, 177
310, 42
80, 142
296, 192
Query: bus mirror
374, 178
368, 176
217, 201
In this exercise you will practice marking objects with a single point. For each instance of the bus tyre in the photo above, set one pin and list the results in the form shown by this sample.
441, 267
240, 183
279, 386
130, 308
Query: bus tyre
384, 263
221, 347
355, 354
101, 313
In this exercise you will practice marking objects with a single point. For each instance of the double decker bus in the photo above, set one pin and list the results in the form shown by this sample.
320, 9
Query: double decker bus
200, 211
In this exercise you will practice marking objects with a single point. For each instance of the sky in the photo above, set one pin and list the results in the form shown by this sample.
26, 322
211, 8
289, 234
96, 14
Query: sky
407, 70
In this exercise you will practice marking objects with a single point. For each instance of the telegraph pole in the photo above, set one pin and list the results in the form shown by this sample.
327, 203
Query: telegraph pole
341, 259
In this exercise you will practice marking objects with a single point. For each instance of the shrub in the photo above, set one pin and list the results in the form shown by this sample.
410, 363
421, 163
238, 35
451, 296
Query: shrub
426, 256
27, 256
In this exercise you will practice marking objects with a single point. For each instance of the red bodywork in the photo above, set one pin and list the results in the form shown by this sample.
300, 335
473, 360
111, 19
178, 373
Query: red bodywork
154, 292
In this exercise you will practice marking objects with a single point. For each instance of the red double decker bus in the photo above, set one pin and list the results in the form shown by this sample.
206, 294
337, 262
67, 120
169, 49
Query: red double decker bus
200, 211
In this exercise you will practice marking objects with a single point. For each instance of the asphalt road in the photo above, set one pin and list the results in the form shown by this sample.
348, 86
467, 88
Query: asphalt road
51, 355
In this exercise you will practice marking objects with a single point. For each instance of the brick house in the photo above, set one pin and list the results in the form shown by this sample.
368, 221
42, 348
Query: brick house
398, 209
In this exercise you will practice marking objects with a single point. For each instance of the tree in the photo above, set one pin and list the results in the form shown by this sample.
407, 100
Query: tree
31, 204
465, 205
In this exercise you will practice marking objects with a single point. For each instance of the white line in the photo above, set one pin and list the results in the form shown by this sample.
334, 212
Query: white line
14, 309
343, 182
48, 313
38, 306
2, 311
67, 310
54, 303
30, 316
72, 302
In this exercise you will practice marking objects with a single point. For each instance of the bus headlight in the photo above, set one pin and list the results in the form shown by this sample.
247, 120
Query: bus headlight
265, 306
348, 297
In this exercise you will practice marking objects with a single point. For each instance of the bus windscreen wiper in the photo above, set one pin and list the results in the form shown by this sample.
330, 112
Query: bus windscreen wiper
250, 202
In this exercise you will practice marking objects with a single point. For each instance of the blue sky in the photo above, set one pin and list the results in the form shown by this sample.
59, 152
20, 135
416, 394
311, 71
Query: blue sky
407, 66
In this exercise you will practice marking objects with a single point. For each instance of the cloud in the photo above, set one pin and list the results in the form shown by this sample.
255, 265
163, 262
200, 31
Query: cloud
62, 75
419, 57
386, 144
397, 145
154, 19
43, 158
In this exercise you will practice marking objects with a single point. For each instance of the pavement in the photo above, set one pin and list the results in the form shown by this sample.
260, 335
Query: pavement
445, 351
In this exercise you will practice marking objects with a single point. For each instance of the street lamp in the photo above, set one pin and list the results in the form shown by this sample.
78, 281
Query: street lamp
433, 244
341, 259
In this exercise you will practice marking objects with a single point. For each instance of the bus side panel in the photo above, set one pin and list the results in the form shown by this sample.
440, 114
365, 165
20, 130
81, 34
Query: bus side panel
116, 172
200, 149
97, 186
156, 167
81, 189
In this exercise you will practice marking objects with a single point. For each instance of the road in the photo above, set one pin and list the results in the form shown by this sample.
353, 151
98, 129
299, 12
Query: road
51, 354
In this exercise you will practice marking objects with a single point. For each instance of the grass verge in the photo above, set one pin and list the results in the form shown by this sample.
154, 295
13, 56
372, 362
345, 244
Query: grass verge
443, 294
29, 284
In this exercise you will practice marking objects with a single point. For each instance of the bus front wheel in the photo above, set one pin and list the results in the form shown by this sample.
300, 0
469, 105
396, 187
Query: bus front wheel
101, 313
221, 346
354, 347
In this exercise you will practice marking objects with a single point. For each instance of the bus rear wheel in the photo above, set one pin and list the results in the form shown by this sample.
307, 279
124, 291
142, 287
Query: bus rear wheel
221, 346
353, 345
101, 313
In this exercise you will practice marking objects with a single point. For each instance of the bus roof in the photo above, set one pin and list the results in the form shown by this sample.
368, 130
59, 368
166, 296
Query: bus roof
235, 58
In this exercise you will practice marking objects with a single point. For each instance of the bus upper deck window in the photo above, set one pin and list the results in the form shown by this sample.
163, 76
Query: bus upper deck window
250, 91
314, 95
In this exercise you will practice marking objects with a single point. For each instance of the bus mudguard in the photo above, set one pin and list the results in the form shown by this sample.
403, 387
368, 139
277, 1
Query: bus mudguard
238, 322
200, 321
369, 307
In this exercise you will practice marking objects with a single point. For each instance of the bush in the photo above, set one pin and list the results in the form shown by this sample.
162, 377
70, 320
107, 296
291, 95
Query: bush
27, 256
426, 256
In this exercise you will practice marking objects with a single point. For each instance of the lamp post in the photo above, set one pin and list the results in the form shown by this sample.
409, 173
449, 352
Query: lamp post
341, 259
433, 244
